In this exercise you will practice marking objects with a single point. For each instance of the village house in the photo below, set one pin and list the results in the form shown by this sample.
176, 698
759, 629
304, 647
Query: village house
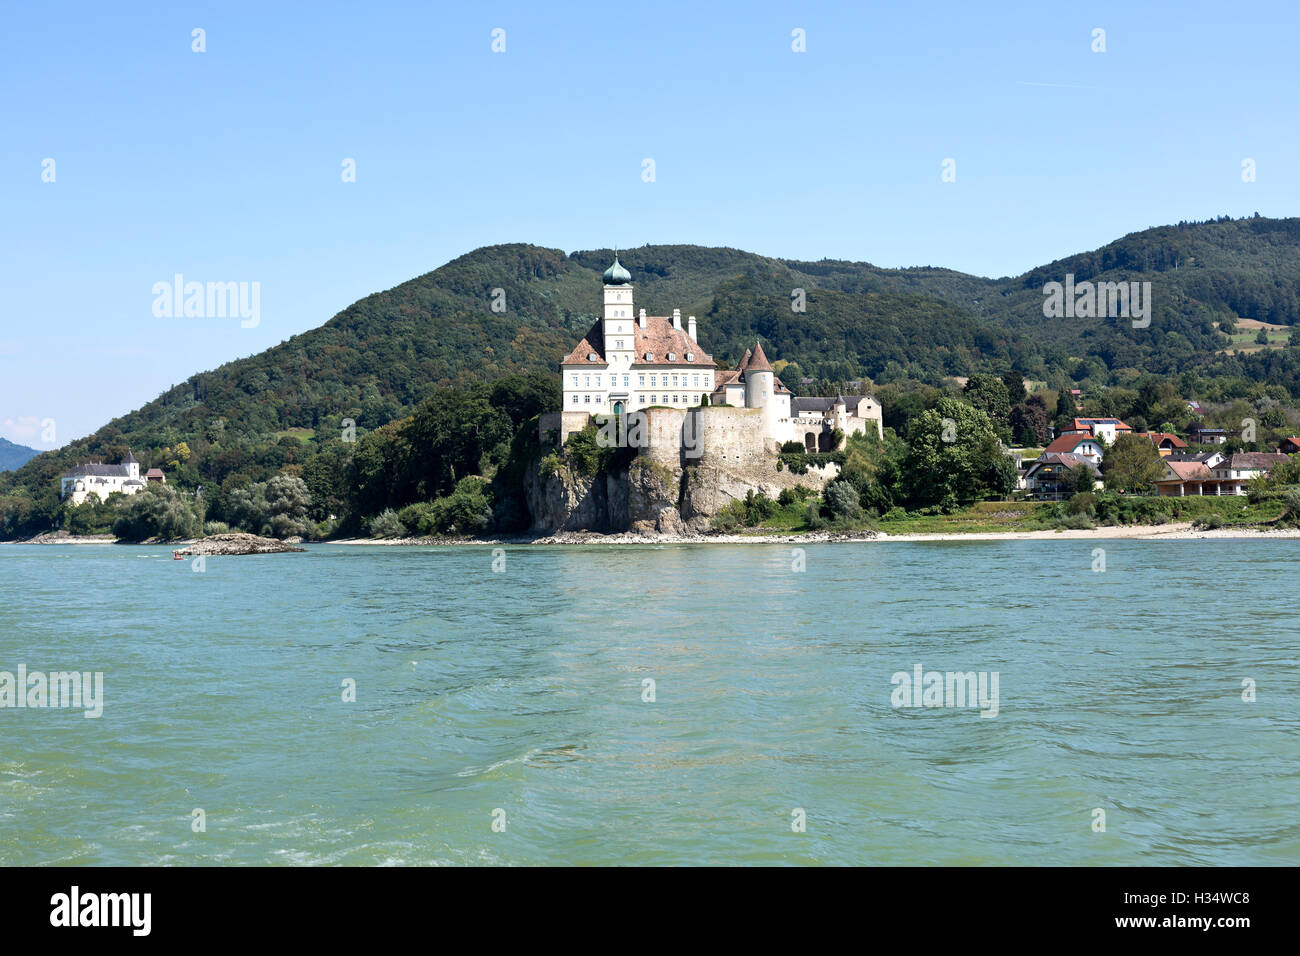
1107, 429
1081, 445
1289, 446
1048, 477
1166, 442
1202, 435
1229, 475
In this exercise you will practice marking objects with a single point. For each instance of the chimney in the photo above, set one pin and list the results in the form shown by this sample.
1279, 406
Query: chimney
641, 319
677, 319
690, 328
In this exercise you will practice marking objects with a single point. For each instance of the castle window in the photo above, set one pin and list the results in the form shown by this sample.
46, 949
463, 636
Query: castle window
627, 381
654, 399
674, 379
674, 399
575, 380
592, 356
575, 400
672, 356
643, 399
695, 380
654, 379
649, 356
618, 344
586, 399
690, 356
641, 380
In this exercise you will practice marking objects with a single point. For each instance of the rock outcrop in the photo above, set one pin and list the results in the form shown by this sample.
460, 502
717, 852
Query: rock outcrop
229, 544
648, 496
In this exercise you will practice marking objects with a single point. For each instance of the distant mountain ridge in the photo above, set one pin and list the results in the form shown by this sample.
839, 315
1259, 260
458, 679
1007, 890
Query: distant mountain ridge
14, 456
377, 358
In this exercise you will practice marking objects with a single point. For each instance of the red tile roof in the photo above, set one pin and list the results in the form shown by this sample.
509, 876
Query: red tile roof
1067, 443
658, 338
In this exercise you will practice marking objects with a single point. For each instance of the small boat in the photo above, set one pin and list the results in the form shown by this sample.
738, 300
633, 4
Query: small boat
177, 556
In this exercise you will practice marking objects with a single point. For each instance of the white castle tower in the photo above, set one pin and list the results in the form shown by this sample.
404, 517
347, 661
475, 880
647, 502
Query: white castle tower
760, 388
620, 344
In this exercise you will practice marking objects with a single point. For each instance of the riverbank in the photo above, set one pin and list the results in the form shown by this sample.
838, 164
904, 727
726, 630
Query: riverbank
1173, 531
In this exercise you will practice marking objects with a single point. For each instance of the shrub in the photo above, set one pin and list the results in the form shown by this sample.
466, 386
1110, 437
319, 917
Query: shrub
842, 500
159, 511
1083, 503
216, 527
792, 448
386, 524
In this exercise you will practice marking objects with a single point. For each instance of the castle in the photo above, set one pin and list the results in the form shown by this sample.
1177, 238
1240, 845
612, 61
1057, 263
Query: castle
627, 365
79, 483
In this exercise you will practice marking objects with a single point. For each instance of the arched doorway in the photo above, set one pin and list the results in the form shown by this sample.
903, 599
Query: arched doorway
810, 441
824, 442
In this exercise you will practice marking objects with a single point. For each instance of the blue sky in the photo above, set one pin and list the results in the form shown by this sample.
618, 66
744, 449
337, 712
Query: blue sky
226, 165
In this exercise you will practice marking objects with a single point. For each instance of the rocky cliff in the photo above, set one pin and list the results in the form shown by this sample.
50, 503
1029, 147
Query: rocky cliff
645, 496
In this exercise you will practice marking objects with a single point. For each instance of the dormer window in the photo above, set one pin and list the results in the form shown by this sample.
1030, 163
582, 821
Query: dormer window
672, 357
649, 356
690, 356
592, 357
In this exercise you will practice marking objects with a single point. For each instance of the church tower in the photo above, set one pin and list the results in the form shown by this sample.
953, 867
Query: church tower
620, 340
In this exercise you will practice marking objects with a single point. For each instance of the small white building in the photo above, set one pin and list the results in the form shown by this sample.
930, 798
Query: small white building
94, 478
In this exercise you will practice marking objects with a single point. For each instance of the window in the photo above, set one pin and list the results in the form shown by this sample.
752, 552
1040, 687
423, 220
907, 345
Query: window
592, 356
674, 379
586, 380
575, 400
649, 356
654, 379
695, 380
672, 356
643, 399
574, 377
674, 399
654, 399
598, 381
586, 399
618, 344
690, 356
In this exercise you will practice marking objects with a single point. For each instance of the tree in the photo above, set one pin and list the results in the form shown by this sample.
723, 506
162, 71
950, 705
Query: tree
1015, 383
988, 394
1081, 479
159, 511
955, 457
1029, 422
1131, 465
842, 499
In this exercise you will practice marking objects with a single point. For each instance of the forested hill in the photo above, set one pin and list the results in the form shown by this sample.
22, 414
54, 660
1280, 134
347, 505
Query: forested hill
375, 360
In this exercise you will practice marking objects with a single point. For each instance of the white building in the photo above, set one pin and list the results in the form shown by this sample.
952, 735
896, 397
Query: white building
627, 363
79, 483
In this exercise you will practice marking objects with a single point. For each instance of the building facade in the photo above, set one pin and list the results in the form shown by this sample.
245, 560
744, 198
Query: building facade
79, 483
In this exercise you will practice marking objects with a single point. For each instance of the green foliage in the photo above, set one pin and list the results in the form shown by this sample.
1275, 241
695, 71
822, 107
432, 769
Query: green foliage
1131, 465
277, 508
92, 516
386, 524
954, 457
158, 511
842, 500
